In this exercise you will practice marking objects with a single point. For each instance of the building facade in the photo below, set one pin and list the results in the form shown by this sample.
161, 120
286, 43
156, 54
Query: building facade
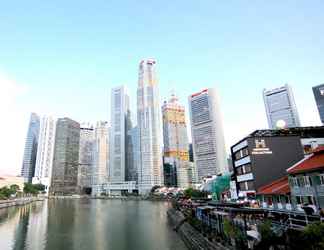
280, 107
207, 133
150, 172
306, 180
66, 157
45, 152
175, 141
101, 155
86, 157
30, 151
319, 99
119, 134
264, 156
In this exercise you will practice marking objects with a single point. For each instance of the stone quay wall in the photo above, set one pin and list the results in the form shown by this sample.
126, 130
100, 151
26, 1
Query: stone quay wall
18, 201
193, 239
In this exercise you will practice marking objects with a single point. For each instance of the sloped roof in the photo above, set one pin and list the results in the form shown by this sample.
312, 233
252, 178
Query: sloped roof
279, 186
314, 161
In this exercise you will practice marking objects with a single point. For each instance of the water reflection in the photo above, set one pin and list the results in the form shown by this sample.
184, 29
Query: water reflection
87, 224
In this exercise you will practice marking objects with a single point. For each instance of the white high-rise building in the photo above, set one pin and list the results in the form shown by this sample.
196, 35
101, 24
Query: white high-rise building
150, 171
101, 154
45, 152
118, 134
207, 133
281, 108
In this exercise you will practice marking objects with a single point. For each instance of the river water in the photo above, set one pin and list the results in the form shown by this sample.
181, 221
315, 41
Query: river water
88, 224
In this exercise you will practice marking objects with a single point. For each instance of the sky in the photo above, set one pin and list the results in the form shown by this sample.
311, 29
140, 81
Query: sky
62, 58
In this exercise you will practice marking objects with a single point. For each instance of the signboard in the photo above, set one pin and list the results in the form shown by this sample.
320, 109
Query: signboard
260, 147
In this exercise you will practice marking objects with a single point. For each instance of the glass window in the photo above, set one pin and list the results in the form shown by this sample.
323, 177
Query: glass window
247, 168
322, 179
242, 186
307, 181
250, 185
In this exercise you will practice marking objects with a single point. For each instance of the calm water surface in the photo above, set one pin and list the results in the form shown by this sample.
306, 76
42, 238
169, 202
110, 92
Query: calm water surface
88, 224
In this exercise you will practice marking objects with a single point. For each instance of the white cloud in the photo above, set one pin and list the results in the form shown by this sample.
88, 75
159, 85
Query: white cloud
12, 125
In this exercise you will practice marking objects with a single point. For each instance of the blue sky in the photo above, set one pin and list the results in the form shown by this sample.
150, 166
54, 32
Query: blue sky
63, 57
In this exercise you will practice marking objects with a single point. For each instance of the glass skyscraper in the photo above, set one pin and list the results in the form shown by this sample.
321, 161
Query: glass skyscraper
280, 107
319, 98
30, 151
149, 123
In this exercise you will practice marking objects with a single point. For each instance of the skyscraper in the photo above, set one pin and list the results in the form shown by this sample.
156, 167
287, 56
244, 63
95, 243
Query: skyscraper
118, 134
280, 107
101, 154
319, 98
150, 171
207, 133
86, 156
66, 157
30, 151
175, 141
45, 152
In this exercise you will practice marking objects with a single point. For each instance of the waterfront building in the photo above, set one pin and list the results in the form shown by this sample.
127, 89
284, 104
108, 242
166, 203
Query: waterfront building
150, 172
306, 180
30, 151
101, 156
263, 156
45, 152
119, 134
66, 157
207, 133
86, 157
319, 98
280, 107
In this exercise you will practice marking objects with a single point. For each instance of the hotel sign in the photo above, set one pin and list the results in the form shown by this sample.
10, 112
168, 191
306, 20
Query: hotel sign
260, 147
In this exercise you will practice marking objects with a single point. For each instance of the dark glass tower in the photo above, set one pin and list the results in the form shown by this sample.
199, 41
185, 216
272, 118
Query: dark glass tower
319, 98
30, 152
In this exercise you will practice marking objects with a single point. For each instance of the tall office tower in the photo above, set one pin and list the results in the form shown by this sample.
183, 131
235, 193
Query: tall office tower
175, 140
136, 153
119, 140
86, 156
319, 98
207, 133
150, 171
30, 152
45, 152
101, 153
131, 170
66, 157
280, 107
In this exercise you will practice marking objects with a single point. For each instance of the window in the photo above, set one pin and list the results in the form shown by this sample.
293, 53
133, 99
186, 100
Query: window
295, 181
242, 186
250, 185
298, 200
310, 200
307, 181
239, 170
321, 179
247, 168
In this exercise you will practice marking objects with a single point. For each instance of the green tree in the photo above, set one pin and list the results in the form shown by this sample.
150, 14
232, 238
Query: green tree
30, 189
314, 236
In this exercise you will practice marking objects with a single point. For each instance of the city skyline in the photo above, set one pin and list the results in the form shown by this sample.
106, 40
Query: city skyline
239, 56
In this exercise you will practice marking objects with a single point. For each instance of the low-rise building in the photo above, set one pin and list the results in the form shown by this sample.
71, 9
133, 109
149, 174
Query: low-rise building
276, 195
264, 156
306, 179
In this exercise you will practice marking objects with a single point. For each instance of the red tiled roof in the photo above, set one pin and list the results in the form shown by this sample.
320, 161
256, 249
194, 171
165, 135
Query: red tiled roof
279, 186
311, 162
